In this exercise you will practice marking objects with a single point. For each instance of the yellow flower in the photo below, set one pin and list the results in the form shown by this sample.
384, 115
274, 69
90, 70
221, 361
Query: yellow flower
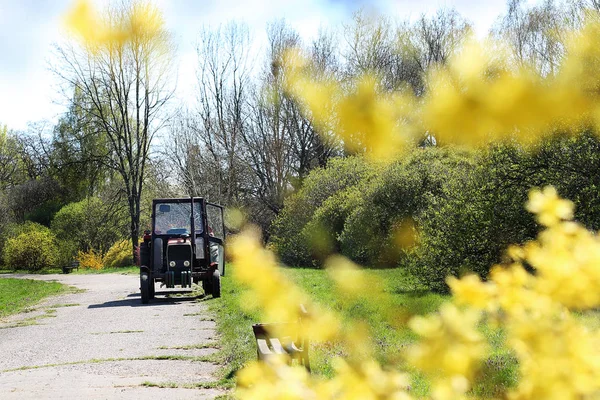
450, 344
550, 209
469, 290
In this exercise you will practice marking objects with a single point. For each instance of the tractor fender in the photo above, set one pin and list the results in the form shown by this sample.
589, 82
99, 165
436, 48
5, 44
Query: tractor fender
144, 268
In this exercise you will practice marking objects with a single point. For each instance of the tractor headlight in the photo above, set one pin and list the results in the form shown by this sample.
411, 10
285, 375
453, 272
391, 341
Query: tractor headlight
186, 263
172, 264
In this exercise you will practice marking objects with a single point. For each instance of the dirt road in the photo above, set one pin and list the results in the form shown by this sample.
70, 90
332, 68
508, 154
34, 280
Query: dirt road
102, 343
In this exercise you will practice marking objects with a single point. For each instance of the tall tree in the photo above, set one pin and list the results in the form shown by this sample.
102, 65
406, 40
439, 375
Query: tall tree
79, 152
224, 70
124, 81
536, 34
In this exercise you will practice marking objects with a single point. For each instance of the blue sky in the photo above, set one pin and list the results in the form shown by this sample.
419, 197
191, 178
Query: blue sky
28, 29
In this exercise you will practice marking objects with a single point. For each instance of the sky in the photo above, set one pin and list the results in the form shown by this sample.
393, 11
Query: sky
29, 91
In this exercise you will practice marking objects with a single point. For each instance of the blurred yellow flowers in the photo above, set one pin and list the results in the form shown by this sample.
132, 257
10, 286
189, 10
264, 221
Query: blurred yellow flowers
139, 23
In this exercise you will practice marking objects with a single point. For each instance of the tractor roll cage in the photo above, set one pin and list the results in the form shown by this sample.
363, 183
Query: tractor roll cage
206, 237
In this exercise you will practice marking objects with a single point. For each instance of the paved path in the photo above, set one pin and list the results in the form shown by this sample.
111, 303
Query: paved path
102, 343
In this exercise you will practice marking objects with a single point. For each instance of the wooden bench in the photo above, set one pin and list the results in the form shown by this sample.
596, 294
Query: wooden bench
68, 269
289, 341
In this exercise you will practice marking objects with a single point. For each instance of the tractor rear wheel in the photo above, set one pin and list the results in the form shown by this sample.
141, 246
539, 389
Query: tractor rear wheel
206, 286
151, 287
145, 287
216, 284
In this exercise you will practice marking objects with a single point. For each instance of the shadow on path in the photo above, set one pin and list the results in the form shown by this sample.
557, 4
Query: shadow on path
134, 301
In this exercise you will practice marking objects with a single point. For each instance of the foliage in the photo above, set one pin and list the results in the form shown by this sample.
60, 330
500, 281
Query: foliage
90, 259
119, 255
77, 153
87, 224
288, 237
465, 206
32, 247
469, 229
381, 224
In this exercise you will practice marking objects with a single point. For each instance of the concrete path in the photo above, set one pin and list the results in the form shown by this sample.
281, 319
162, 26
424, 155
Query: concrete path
100, 342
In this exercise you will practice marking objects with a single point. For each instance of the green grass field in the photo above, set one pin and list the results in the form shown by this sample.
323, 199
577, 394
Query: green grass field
131, 270
238, 345
17, 295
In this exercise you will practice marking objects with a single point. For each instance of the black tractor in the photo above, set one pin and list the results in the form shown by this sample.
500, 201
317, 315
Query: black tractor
185, 246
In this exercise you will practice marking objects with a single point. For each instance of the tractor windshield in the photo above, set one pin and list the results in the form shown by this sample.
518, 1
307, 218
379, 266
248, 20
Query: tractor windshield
175, 218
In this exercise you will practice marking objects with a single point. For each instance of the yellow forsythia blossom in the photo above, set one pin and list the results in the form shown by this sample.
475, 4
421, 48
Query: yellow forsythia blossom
558, 357
548, 207
449, 350
139, 24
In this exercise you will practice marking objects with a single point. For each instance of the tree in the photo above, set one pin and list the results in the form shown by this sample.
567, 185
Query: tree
124, 83
536, 34
10, 165
223, 86
369, 48
428, 42
79, 152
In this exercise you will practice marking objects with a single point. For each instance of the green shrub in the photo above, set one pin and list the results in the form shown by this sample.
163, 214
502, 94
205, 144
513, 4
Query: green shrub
322, 231
287, 238
33, 249
467, 207
87, 224
397, 197
119, 255
470, 229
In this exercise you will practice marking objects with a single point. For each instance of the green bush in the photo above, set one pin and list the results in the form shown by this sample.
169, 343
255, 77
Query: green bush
467, 206
33, 249
119, 255
396, 198
85, 225
469, 230
287, 238
322, 232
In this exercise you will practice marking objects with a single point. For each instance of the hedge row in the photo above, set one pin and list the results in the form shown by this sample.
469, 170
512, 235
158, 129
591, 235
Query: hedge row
466, 206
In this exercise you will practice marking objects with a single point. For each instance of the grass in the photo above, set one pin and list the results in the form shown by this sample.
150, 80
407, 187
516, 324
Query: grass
237, 344
236, 340
48, 271
113, 359
388, 340
16, 295
205, 345
130, 270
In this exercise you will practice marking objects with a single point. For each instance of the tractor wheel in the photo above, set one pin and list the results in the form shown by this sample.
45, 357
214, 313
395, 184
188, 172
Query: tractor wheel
145, 287
151, 286
206, 286
216, 284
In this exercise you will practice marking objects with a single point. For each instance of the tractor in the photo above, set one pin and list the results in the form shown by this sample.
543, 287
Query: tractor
185, 246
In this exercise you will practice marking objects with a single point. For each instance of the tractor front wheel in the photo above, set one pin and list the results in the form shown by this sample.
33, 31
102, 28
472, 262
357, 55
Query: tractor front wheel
216, 284
145, 287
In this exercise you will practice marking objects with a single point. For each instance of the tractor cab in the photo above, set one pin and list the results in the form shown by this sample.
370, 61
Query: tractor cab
185, 246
